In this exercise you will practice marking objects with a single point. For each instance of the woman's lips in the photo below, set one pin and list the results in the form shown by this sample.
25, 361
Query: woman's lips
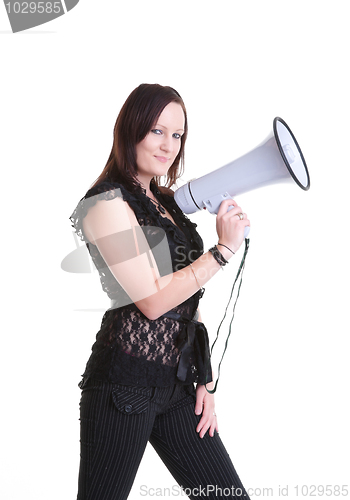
161, 158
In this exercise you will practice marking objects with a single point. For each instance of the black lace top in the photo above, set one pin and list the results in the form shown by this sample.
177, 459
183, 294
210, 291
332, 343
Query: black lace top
130, 348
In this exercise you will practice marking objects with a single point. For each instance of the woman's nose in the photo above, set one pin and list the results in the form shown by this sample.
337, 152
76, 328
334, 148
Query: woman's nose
167, 144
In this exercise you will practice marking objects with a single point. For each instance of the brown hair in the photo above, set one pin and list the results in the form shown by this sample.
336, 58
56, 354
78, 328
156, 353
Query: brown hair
136, 118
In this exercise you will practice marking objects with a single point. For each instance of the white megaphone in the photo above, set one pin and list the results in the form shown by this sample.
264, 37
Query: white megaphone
277, 159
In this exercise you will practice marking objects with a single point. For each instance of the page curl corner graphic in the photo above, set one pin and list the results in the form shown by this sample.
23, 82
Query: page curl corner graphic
26, 15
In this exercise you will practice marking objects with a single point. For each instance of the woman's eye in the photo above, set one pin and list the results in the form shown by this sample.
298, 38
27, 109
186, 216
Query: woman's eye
157, 131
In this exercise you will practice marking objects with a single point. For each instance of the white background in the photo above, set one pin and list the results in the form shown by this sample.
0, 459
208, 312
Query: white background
283, 396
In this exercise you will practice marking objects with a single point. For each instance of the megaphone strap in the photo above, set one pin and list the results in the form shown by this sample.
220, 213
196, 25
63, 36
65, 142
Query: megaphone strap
239, 273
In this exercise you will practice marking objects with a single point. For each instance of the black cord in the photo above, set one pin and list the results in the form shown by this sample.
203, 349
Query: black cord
239, 273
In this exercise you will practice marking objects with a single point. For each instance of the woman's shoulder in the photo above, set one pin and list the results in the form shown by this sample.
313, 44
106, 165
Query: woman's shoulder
105, 190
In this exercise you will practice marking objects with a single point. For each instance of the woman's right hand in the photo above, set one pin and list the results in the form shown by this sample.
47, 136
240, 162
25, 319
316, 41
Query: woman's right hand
229, 227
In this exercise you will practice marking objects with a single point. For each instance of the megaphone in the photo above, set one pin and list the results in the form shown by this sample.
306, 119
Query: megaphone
277, 159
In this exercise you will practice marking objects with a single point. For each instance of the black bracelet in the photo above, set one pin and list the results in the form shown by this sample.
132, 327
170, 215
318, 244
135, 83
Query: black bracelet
220, 259
226, 247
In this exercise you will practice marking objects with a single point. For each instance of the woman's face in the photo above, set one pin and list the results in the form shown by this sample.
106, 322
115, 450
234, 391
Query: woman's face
157, 151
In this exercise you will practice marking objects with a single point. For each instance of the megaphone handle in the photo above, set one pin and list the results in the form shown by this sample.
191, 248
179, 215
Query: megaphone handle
246, 229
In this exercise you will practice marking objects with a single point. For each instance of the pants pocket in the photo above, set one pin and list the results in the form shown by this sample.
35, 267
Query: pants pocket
131, 400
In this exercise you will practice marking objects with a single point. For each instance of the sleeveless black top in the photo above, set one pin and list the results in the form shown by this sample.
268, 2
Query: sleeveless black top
131, 349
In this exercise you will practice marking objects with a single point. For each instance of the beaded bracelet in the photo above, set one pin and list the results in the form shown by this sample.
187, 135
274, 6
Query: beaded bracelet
220, 259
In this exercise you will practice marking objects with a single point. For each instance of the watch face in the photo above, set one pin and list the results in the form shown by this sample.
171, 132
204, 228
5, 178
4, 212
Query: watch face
26, 15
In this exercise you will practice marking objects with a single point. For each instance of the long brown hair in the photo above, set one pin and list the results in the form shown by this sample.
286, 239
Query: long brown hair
136, 118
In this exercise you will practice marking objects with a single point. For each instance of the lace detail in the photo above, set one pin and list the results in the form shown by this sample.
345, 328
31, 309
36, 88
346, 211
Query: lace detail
130, 348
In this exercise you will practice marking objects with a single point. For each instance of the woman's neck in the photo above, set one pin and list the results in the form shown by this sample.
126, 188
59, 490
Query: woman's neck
145, 182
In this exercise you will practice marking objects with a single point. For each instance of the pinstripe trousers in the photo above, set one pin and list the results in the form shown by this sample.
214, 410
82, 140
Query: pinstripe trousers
117, 422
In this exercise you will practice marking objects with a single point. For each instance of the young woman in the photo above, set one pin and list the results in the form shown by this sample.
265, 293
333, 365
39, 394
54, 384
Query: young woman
138, 385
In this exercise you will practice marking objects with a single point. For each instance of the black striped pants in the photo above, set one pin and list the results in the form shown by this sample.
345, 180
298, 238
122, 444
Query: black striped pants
117, 421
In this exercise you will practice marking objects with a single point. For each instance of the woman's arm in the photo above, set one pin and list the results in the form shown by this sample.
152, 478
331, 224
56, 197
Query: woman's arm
113, 227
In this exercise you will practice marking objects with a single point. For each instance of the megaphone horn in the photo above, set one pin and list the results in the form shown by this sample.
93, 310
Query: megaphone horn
277, 159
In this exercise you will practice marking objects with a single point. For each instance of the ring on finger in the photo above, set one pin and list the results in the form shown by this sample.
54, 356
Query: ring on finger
240, 215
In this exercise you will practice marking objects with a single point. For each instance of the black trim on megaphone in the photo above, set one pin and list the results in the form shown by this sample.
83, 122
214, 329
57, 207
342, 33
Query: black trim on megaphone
278, 119
194, 201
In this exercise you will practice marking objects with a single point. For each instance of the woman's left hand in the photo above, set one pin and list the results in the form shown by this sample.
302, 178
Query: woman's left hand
205, 405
